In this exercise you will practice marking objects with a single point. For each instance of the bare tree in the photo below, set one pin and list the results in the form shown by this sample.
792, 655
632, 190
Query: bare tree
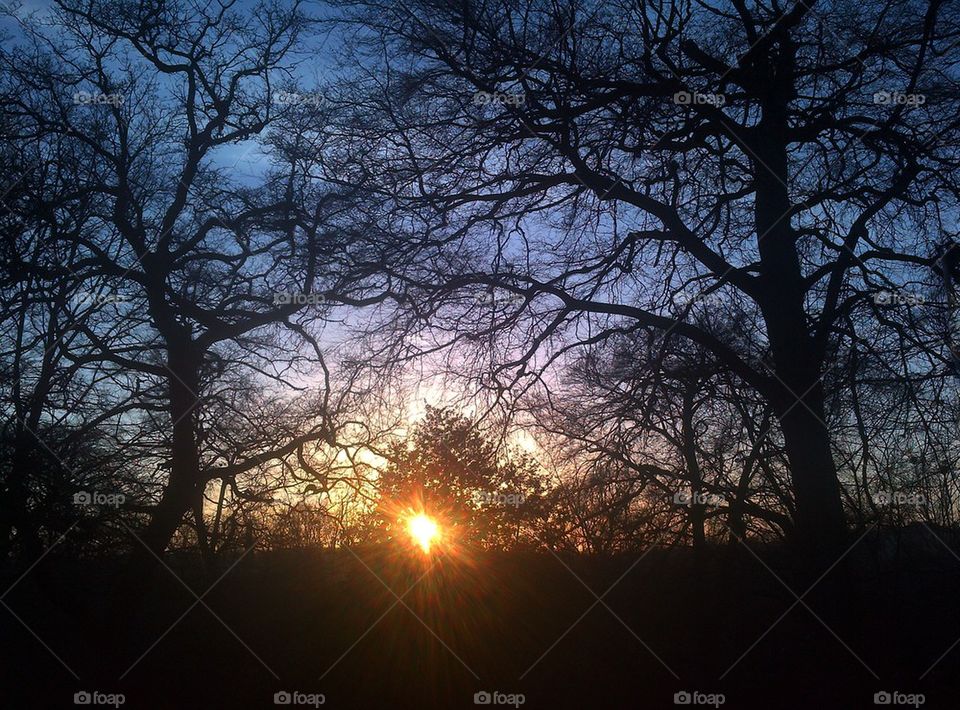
662, 425
220, 284
593, 161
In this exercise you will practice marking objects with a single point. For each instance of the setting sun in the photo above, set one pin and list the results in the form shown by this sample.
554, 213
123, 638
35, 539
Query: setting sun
423, 530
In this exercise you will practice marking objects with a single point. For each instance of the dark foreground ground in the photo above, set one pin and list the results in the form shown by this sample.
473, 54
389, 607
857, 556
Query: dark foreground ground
518, 626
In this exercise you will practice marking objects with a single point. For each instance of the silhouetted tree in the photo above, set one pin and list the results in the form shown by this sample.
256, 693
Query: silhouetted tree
449, 469
584, 164
213, 279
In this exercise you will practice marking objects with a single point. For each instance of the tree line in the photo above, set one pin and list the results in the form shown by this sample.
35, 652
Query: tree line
702, 254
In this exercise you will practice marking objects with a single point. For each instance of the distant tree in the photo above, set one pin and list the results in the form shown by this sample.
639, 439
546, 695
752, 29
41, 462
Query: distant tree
450, 470
661, 437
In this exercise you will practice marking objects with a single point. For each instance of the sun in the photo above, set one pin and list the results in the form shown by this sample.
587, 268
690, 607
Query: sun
424, 530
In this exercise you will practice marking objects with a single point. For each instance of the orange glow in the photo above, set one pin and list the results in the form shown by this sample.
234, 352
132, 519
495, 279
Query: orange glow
424, 531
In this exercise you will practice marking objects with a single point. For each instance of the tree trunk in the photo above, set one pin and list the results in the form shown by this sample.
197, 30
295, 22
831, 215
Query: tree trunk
203, 539
819, 511
798, 361
181, 489
697, 507
799, 406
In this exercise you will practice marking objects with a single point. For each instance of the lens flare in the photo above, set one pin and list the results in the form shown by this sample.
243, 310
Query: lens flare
423, 530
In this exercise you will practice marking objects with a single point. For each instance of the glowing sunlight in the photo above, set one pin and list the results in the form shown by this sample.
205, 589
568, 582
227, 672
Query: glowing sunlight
423, 530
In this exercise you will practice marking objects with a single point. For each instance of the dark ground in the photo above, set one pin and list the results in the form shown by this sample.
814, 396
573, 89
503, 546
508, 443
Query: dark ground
307, 618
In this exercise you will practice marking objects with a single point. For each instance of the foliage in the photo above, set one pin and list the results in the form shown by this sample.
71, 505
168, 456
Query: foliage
450, 469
